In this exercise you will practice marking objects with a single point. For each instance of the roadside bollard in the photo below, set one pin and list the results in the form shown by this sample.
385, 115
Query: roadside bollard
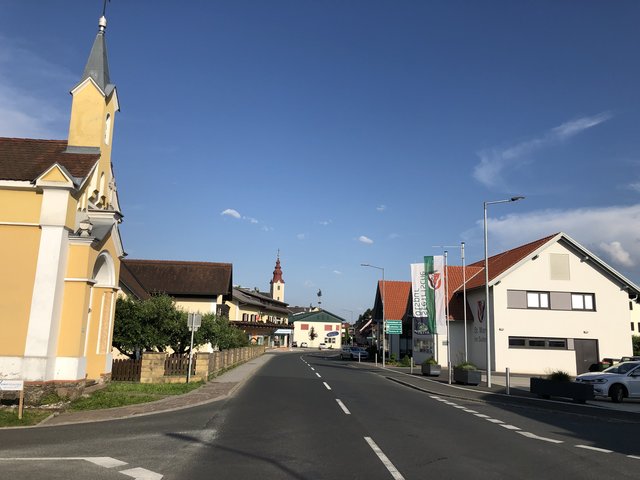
508, 381
411, 365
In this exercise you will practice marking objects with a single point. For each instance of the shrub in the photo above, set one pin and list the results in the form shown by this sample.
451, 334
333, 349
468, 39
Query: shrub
406, 361
466, 366
559, 376
430, 361
635, 340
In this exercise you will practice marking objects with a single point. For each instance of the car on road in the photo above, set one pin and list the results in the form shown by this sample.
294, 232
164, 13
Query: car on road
322, 346
294, 344
304, 345
618, 382
351, 353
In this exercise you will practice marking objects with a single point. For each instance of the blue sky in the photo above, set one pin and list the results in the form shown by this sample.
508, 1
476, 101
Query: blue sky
348, 132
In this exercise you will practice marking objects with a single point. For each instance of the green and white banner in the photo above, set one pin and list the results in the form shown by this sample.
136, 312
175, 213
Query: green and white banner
419, 300
432, 287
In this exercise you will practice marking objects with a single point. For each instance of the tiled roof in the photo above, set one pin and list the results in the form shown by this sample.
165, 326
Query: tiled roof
130, 283
396, 297
26, 159
502, 262
316, 316
259, 300
176, 278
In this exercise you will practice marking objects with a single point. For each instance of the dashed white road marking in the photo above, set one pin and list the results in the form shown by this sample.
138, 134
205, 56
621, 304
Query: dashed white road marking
318, 375
636, 457
384, 459
343, 407
509, 427
481, 415
468, 410
141, 474
326, 385
536, 437
494, 420
461, 407
105, 462
595, 449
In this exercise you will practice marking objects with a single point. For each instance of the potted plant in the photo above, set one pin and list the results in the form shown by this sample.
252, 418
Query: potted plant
559, 384
430, 367
466, 373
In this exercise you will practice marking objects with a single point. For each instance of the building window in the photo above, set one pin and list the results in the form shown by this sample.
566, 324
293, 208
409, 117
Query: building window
537, 299
107, 129
582, 301
632, 326
304, 326
245, 317
538, 343
327, 328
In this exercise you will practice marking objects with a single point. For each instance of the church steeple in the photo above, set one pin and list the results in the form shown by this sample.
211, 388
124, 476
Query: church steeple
93, 107
277, 283
98, 65
94, 99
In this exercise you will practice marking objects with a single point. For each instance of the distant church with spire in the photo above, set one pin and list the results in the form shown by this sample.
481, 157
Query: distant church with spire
277, 283
60, 245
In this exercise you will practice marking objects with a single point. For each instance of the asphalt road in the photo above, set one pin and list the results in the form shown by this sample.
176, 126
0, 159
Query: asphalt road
307, 416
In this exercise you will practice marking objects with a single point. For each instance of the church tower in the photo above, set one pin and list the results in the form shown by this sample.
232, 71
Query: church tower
277, 283
93, 107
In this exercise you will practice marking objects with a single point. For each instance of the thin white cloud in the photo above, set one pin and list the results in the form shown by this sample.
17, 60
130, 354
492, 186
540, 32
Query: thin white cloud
612, 233
337, 272
29, 111
230, 212
252, 220
496, 162
635, 186
617, 253
325, 223
393, 236
301, 236
365, 240
381, 208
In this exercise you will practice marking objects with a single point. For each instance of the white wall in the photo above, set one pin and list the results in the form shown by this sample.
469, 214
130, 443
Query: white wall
609, 323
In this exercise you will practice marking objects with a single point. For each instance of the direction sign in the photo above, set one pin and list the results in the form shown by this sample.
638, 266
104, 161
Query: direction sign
393, 327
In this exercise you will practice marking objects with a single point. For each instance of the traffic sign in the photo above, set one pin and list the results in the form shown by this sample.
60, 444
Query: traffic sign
393, 327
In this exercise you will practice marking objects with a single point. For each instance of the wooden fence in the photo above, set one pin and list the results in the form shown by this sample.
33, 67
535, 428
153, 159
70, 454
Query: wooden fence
126, 370
178, 365
157, 367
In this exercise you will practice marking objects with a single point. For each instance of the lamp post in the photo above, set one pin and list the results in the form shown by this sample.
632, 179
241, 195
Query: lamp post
384, 338
487, 307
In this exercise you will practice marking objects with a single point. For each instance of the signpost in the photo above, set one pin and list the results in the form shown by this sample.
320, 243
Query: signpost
14, 386
393, 327
194, 320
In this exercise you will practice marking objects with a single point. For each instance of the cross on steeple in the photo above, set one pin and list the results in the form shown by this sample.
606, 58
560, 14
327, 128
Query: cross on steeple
104, 7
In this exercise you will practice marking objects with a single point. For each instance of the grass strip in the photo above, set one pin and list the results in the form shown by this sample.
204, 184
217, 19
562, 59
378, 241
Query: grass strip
31, 416
119, 394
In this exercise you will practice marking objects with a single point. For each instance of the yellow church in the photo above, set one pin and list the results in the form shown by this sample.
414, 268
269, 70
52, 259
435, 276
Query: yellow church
60, 245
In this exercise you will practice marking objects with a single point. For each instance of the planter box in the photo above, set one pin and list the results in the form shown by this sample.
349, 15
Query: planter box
578, 392
466, 377
431, 370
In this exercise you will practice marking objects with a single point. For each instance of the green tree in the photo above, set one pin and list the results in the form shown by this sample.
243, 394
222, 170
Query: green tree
636, 344
156, 324
312, 333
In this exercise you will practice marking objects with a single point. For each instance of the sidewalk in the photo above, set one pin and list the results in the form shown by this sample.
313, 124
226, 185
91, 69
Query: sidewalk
519, 388
217, 389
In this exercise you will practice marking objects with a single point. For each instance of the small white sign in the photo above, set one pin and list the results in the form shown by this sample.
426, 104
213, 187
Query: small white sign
11, 385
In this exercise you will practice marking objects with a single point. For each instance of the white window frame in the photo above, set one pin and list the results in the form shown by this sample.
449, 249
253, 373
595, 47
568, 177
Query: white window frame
583, 301
538, 300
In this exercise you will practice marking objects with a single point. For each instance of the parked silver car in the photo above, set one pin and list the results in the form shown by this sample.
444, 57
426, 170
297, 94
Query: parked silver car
618, 382
354, 352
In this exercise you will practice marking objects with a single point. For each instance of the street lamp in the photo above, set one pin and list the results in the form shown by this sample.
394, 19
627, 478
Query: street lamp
487, 307
384, 338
